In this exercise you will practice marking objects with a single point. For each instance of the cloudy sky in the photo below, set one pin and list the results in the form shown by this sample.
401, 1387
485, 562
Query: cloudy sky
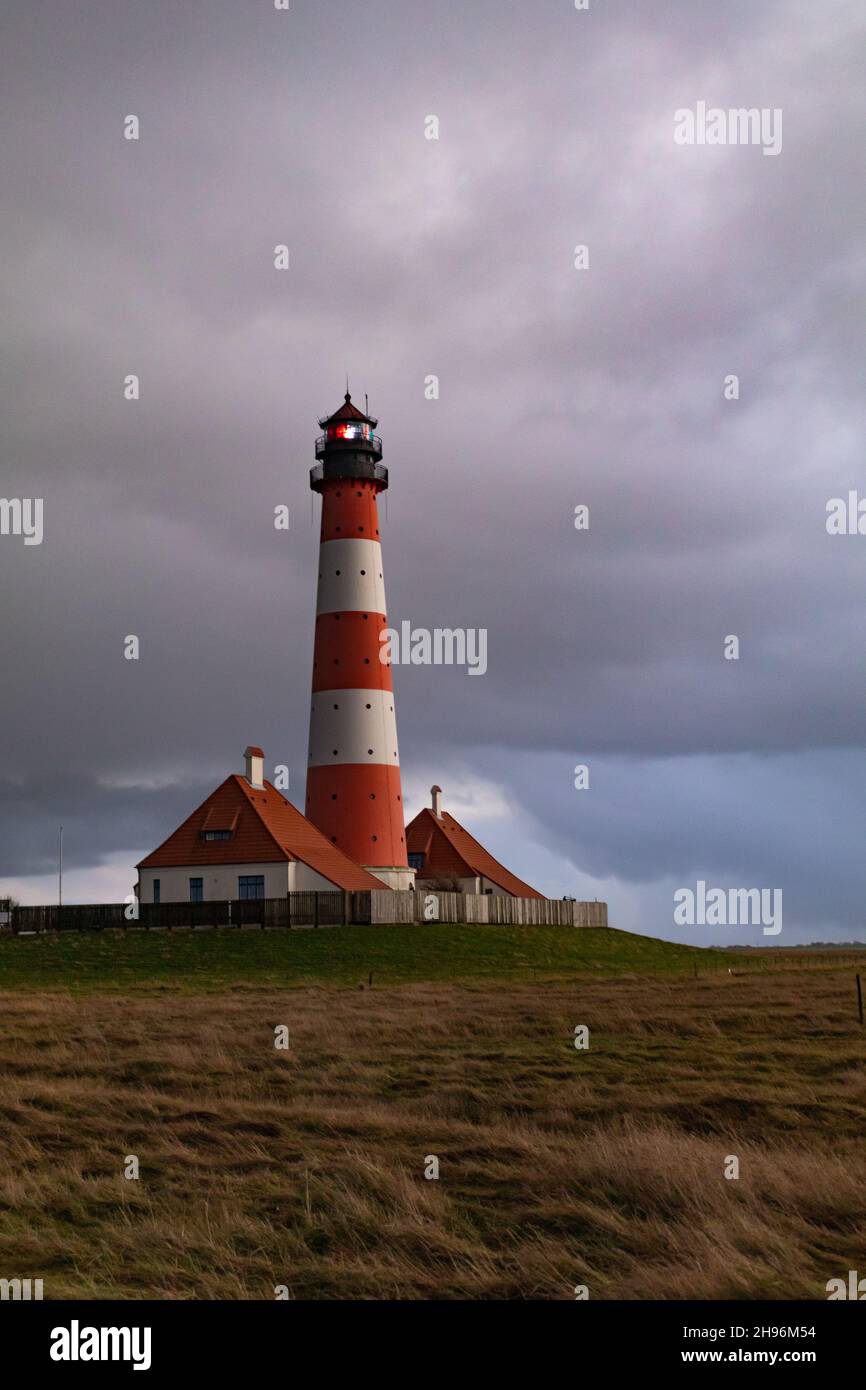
558, 387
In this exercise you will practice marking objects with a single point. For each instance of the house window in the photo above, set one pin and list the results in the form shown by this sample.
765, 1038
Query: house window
196, 890
217, 834
251, 885
156, 887
416, 861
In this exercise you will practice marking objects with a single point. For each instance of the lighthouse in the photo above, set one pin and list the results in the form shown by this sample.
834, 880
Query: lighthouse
354, 795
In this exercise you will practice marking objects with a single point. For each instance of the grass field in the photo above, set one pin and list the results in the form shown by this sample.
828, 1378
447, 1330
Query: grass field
225, 958
305, 1167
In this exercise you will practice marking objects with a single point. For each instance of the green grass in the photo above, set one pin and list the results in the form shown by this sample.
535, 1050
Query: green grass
212, 960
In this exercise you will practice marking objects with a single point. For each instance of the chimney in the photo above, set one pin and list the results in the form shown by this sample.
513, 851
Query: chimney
436, 794
254, 766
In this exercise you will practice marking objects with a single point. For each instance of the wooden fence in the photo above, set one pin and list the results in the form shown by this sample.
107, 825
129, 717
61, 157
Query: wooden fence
294, 910
309, 909
432, 906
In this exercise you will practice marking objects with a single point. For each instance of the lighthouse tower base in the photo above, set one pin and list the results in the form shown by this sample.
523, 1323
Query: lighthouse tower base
396, 877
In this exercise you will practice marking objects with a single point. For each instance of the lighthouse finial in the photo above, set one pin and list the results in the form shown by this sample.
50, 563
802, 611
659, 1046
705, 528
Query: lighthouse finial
348, 397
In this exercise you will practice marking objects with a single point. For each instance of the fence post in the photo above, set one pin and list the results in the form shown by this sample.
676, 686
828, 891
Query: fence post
315, 909
345, 907
860, 998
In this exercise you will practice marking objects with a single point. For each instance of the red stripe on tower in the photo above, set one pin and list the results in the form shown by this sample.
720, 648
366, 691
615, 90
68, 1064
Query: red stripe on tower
353, 776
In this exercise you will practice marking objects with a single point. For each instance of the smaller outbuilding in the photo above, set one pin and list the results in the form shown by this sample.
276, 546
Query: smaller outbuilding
442, 853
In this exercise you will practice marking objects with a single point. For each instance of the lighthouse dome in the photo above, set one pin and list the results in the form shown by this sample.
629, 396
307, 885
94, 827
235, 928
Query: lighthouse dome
347, 411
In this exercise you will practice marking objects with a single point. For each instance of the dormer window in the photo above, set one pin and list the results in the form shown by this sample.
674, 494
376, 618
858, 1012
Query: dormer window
211, 828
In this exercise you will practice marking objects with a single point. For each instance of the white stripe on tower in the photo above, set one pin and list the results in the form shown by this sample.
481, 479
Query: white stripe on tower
350, 577
353, 726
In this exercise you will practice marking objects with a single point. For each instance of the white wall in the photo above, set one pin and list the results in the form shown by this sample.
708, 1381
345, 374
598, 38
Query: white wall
303, 879
220, 881
478, 885
394, 877
485, 886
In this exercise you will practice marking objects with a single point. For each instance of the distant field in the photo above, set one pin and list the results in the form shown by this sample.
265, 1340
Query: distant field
305, 1167
206, 960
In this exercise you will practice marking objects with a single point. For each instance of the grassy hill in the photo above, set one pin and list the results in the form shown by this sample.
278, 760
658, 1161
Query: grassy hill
213, 960
304, 1167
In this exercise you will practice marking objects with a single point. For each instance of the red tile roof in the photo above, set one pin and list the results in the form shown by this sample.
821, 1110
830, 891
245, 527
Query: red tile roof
451, 852
266, 828
347, 411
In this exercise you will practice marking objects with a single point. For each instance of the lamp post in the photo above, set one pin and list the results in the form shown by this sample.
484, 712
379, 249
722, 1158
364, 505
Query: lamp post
60, 872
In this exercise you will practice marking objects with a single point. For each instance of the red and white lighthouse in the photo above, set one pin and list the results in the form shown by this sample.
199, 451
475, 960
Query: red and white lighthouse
353, 776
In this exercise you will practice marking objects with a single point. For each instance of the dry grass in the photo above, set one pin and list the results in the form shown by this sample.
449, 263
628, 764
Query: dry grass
558, 1167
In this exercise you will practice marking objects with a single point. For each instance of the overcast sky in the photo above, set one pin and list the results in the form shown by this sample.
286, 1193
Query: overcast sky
558, 387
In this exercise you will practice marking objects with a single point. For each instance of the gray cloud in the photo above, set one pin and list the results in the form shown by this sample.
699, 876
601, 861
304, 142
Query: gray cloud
558, 387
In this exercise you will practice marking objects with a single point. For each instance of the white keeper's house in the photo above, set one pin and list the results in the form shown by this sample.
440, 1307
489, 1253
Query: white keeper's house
246, 841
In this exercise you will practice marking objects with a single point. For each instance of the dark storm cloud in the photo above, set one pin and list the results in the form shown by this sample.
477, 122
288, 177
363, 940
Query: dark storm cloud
558, 387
